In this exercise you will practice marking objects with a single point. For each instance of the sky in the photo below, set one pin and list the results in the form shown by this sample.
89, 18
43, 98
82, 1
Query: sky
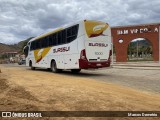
21, 19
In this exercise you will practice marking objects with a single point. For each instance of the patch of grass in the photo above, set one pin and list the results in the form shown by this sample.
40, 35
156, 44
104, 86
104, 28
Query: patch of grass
140, 60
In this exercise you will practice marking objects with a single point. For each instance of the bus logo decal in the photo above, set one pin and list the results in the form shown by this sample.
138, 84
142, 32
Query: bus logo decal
40, 54
62, 49
98, 27
98, 44
94, 29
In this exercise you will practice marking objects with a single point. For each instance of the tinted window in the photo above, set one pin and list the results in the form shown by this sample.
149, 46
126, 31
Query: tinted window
75, 30
38, 44
64, 36
32, 45
44, 42
72, 33
26, 51
59, 37
52, 40
69, 31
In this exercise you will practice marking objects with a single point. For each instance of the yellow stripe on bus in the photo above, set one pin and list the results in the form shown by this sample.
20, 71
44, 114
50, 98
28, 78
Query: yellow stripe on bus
49, 33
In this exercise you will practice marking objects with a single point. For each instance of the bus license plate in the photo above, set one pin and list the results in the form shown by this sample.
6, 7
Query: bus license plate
98, 64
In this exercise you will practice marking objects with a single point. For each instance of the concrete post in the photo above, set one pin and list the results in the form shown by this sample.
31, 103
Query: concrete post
112, 50
159, 43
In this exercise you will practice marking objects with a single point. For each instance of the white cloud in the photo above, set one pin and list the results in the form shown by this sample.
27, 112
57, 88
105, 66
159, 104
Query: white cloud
22, 19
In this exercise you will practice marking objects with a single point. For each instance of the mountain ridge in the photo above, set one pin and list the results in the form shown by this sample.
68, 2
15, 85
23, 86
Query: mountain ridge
13, 47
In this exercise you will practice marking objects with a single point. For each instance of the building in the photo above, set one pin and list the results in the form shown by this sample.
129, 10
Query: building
123, 35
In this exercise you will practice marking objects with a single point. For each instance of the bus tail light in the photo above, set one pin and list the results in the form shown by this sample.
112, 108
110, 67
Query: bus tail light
83, 54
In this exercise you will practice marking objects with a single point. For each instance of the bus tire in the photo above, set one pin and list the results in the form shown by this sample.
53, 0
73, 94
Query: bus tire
49, 69
75, 70
30, 64
54, 67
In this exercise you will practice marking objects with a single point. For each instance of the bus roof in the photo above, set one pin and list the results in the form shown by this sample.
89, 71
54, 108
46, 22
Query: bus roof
49, 33
58, 29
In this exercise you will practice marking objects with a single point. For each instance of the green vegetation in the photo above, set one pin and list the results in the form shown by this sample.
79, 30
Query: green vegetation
140, 51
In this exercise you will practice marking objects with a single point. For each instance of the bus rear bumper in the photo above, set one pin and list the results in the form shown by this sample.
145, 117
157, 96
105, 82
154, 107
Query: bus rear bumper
85, 64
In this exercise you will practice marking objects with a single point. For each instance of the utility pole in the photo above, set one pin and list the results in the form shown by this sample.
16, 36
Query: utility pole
159, 43
112, 49
137, 49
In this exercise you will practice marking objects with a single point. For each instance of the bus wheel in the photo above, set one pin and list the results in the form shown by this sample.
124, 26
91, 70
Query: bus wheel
75, 70
32, 68
54, 67
49, 69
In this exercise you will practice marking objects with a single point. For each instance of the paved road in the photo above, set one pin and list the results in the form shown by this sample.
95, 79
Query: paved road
143, 79
147, 80
138, 78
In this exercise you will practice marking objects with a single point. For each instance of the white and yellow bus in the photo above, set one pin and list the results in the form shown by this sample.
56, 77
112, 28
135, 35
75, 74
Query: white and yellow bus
83, 45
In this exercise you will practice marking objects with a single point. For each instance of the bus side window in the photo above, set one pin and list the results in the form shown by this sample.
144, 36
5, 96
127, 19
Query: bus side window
64, 36
44, 42
53, 40
47, 41
37, 44
32, 46
69, 32
59, 38
75, 30
72, 33
50, 40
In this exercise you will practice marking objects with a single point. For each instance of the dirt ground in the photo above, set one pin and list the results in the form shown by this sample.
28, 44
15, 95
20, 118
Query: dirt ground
42, 90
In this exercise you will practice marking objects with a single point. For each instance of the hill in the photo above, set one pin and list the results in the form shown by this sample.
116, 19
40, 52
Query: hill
7, 48
13, 48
